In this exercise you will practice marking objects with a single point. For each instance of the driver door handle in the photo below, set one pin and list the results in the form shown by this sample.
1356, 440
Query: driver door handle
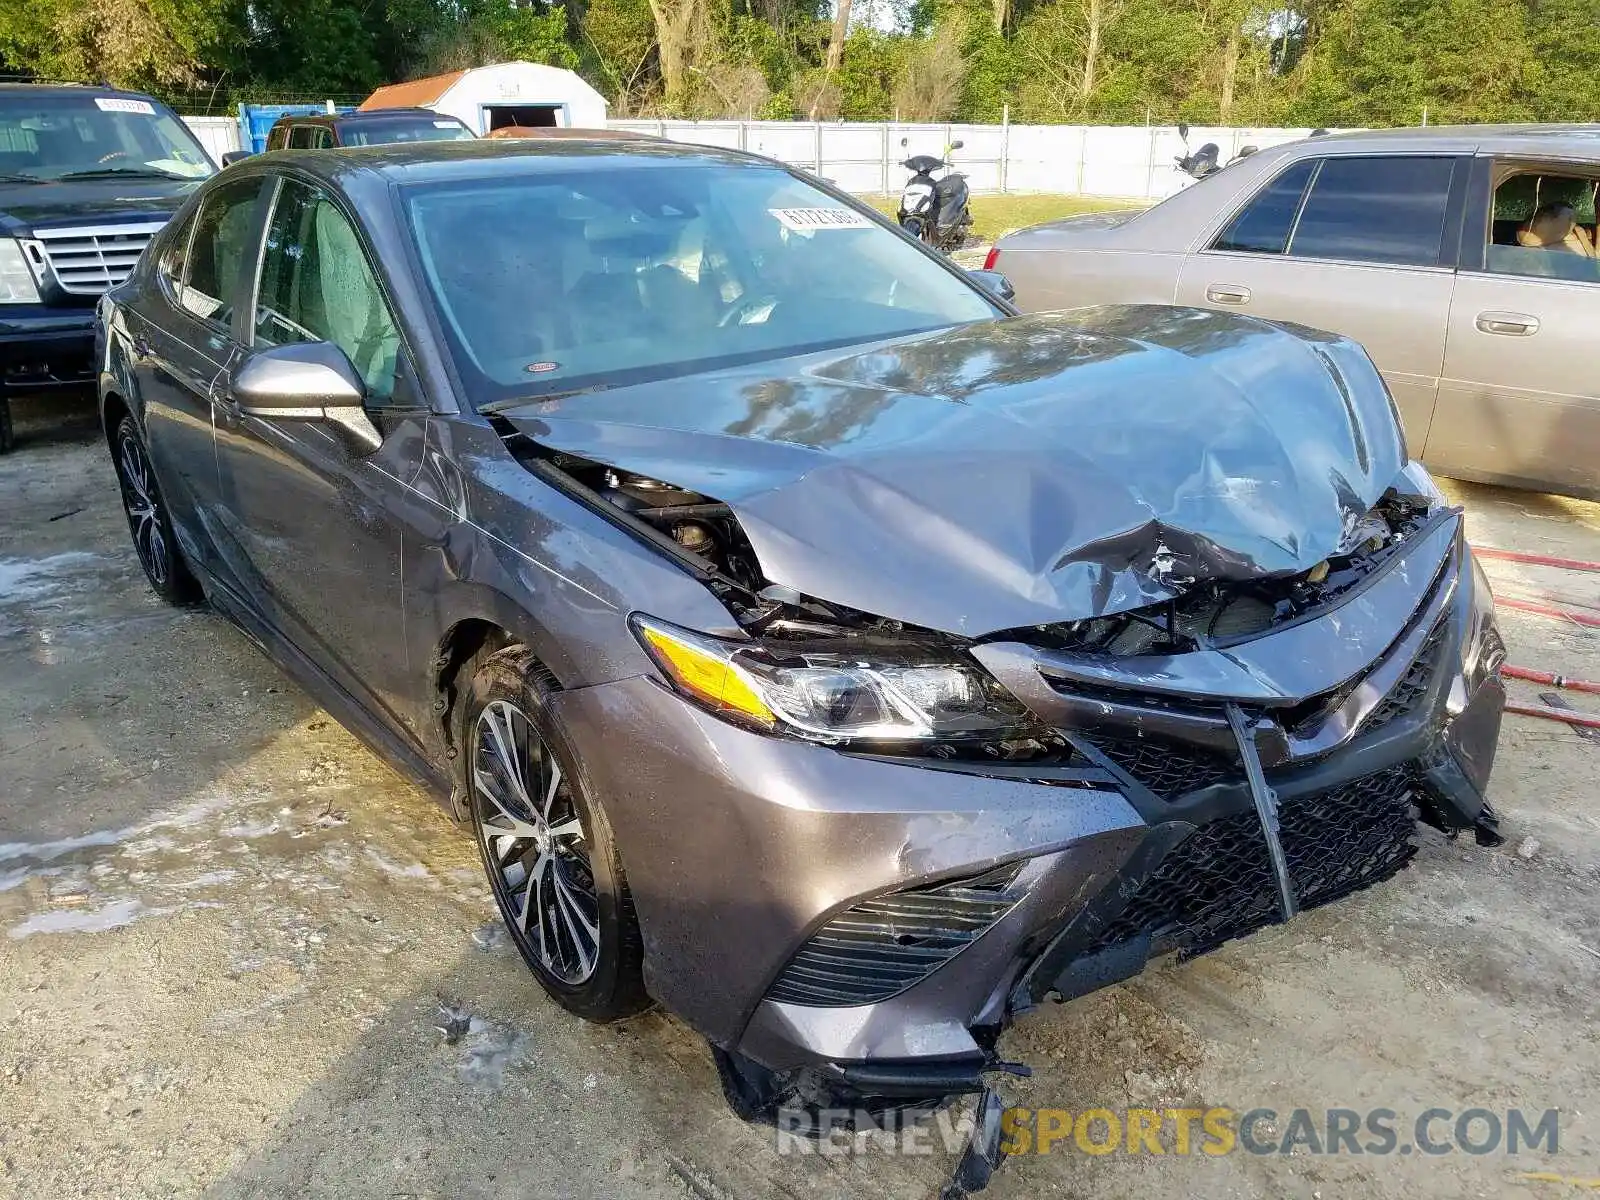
1509, 324
1228, 293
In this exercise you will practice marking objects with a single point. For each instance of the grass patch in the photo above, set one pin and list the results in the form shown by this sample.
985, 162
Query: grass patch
994, 215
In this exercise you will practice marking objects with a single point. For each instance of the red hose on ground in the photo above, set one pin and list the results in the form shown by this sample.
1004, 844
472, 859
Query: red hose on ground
1591, 620
1549, 678
1555, 714
1538, 560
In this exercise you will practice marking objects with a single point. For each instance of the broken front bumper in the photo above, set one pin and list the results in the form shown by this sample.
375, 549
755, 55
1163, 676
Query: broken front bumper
875, 921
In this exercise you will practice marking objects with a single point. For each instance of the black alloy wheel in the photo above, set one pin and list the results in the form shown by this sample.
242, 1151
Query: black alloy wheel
149, 521
546, 847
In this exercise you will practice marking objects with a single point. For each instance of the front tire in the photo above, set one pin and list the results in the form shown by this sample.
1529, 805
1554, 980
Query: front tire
149, 521
546, 845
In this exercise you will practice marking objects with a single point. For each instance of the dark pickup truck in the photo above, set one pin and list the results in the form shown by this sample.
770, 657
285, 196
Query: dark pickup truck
87, 175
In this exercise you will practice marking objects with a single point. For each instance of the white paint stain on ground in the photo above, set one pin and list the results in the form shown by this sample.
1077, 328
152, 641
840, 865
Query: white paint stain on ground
209, 879
35, 578
194, 814
74, 920
490, 1052
412, 871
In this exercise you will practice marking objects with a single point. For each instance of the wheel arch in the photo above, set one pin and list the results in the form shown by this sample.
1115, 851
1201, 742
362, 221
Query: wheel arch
491, 622
117, 384
113, 407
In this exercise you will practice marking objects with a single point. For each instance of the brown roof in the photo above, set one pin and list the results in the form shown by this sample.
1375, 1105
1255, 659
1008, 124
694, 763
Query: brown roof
419, 93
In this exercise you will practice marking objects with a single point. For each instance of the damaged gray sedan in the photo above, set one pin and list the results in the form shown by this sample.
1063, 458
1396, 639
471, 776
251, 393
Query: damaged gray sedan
812, 645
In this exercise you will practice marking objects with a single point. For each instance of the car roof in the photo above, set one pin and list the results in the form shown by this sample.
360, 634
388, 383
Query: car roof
70, 89
358, 117
1560, 140
482, 158
378, 114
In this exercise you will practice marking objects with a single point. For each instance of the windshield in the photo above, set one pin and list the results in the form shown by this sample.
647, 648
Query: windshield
49, 137
551, 282
404, 129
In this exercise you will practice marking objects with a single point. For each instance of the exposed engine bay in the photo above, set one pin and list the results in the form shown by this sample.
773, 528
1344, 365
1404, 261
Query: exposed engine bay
705, 529
1215, 613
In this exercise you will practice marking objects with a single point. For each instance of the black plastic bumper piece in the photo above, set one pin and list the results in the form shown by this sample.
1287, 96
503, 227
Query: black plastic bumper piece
43, 348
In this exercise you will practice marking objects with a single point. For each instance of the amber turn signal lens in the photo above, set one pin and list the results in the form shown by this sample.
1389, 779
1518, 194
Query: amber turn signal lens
705, 675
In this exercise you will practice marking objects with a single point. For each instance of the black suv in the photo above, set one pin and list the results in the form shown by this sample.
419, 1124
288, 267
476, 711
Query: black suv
379, 127
87, 175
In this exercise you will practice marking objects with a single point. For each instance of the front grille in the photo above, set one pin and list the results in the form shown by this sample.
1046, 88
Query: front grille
1412, 686
1217, 883
88, 260
878, 948
1168, 768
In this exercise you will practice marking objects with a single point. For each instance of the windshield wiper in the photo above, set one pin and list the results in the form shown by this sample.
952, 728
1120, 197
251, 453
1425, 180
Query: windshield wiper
140, 172
22, 179
496, 407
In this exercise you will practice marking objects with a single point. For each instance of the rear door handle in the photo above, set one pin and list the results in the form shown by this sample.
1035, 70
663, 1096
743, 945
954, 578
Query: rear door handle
1509, 324
1228, 293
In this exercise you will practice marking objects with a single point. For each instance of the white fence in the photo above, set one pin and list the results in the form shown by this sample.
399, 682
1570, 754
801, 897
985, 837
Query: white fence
1096, 160
218, 135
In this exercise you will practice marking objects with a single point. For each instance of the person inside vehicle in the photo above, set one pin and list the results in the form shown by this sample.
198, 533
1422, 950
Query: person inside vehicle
1555, 227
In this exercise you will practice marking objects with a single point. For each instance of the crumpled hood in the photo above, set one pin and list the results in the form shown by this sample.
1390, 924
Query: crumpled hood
1019, 471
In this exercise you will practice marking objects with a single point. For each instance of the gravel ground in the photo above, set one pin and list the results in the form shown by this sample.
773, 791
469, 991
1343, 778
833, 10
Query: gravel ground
229, 937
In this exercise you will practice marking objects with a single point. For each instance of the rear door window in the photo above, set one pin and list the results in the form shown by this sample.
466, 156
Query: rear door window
308, 137
175, 258
1382, 210
223, 245
1266, 222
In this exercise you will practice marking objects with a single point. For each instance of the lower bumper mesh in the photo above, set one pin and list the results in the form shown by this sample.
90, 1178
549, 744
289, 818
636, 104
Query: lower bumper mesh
878, 948
1217, 883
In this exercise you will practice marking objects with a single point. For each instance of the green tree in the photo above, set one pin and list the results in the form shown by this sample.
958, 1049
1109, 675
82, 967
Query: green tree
1382, 62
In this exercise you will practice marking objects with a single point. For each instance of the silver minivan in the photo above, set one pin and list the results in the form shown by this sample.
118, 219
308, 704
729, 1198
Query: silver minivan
1462, 258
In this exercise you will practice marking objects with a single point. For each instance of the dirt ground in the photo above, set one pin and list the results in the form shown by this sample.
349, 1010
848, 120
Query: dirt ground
227, 931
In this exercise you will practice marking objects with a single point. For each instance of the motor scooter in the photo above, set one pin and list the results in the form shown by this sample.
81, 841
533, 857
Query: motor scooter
935, 210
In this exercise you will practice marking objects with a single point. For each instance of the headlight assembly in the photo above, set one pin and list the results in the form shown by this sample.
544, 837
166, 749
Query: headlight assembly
834, 696
17, 284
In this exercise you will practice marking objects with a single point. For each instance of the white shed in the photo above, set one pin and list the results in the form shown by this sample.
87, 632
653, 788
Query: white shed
513, 93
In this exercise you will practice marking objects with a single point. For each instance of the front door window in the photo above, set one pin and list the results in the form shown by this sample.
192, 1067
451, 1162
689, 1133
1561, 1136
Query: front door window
317, 286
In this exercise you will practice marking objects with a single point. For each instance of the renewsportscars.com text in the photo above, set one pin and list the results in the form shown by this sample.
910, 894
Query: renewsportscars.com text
1198, 1132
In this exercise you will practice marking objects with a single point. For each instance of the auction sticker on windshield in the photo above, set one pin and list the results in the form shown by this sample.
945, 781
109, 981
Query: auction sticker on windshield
117, 104
804, 220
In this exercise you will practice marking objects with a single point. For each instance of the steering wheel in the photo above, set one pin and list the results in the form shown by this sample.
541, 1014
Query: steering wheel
115, 154
743, 307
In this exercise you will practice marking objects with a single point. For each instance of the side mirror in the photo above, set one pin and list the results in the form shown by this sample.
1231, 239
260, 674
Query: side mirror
1183, 130
957, 144
993, 281
234, 156
306, 381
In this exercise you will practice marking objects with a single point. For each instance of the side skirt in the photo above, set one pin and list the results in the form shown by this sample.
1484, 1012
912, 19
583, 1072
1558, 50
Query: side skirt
343, 707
